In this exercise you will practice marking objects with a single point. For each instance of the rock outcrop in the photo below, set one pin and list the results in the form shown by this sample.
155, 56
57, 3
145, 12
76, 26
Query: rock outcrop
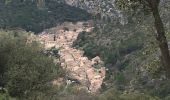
77, 66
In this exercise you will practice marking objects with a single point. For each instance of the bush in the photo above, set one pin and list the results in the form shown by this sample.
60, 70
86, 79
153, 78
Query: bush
24, 68
132, 44
167, 98
5, 96
120, 78
111, 94
137, 96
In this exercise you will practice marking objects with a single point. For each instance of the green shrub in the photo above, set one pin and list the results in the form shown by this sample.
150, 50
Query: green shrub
131, 44
24, 69
167, 98
120, 78
111, 94
5, 96
137, 96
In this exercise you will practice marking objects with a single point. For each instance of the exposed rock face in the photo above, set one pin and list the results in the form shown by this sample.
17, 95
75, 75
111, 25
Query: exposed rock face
104, 7
77, 66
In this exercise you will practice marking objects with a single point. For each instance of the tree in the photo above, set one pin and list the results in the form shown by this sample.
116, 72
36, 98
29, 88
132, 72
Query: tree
152, 6
24, 69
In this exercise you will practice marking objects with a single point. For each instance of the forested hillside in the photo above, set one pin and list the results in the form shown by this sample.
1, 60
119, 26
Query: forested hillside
26, 15
84, 50
126, 43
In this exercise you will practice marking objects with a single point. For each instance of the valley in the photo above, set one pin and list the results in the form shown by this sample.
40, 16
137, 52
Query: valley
77, 66
84, 50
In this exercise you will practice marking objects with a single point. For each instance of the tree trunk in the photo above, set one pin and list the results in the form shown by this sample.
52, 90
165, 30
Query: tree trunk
161, 38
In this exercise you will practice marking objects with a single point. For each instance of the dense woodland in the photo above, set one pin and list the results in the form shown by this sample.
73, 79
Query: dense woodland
132, 39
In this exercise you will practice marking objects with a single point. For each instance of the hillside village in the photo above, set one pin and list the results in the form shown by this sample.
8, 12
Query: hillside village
78, 67
84, 50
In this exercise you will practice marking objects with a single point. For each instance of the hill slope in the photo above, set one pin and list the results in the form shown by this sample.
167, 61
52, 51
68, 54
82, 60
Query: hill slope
26, 15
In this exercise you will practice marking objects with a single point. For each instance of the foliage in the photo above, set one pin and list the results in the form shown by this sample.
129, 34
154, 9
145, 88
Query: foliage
27, 16
24, 69
137, 96
4, 96
125, 42
167, 98
113, 94
129, 49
